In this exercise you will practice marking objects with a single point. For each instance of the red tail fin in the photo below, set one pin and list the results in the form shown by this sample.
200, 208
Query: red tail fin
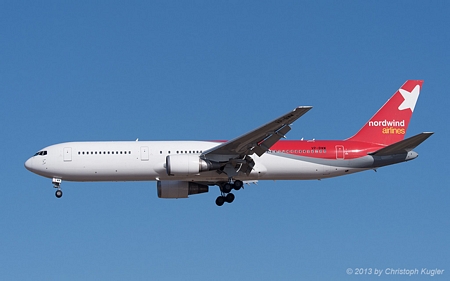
389, 124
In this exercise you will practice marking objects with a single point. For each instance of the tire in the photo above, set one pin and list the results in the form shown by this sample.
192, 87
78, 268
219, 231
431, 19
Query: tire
227, 188
238, 185
229, 198
58, 193
220, 200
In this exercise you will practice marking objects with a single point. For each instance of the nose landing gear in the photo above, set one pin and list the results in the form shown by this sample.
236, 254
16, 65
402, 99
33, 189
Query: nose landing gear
57, 184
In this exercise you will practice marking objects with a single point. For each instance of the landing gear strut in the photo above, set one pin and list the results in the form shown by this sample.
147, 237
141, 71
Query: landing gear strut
57, 184
225, 189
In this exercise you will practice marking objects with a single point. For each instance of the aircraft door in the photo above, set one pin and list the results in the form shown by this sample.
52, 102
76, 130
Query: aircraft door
339, 152
67, 154
144, 153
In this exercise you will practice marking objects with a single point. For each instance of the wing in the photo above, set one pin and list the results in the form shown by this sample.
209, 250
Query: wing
257, 141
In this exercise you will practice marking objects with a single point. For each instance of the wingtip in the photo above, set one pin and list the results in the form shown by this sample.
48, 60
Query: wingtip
303, 107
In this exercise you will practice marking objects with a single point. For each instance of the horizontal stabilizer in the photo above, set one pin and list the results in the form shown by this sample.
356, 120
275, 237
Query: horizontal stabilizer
403, 146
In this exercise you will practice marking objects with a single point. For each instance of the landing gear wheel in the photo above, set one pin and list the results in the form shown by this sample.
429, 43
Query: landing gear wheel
227, 188
238, 184
229, 198
58, 193
220, 200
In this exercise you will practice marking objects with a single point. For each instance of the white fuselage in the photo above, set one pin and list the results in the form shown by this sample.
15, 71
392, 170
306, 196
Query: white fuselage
146, 160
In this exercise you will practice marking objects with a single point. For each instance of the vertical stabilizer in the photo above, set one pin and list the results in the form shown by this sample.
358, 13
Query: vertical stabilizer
391, 121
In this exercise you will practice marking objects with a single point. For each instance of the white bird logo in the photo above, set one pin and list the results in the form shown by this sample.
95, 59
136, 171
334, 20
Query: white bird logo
410, 98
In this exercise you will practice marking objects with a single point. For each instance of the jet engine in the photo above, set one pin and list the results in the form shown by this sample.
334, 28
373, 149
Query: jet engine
179, 189
188, 165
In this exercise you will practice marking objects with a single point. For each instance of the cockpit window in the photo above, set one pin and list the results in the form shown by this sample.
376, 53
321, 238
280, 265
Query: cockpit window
43, 152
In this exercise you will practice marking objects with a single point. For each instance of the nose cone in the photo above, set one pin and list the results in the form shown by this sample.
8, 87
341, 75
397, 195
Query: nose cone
29, 164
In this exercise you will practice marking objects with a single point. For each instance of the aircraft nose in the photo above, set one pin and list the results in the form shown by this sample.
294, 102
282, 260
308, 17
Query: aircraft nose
29, 164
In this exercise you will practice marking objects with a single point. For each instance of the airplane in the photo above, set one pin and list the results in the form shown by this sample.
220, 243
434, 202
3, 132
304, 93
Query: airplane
183, 168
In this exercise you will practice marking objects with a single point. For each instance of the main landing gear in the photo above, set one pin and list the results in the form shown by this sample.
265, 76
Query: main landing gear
226, 195
57, 184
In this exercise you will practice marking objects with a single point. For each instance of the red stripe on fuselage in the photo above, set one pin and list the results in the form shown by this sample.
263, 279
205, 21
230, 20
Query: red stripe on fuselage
325, 149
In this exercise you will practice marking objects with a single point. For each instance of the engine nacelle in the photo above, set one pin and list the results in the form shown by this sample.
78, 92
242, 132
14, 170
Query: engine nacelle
188, 165
179, 189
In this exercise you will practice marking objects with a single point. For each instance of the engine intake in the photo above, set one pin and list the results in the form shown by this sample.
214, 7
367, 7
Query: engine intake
188, 165
179, 189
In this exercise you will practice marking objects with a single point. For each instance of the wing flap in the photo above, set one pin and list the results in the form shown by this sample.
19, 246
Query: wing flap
268, 142
403, 146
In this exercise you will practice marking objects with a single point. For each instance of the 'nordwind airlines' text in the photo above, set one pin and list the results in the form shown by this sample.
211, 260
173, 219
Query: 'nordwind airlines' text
390, 126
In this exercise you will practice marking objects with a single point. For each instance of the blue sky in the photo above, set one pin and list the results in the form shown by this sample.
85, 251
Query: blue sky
202, 70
